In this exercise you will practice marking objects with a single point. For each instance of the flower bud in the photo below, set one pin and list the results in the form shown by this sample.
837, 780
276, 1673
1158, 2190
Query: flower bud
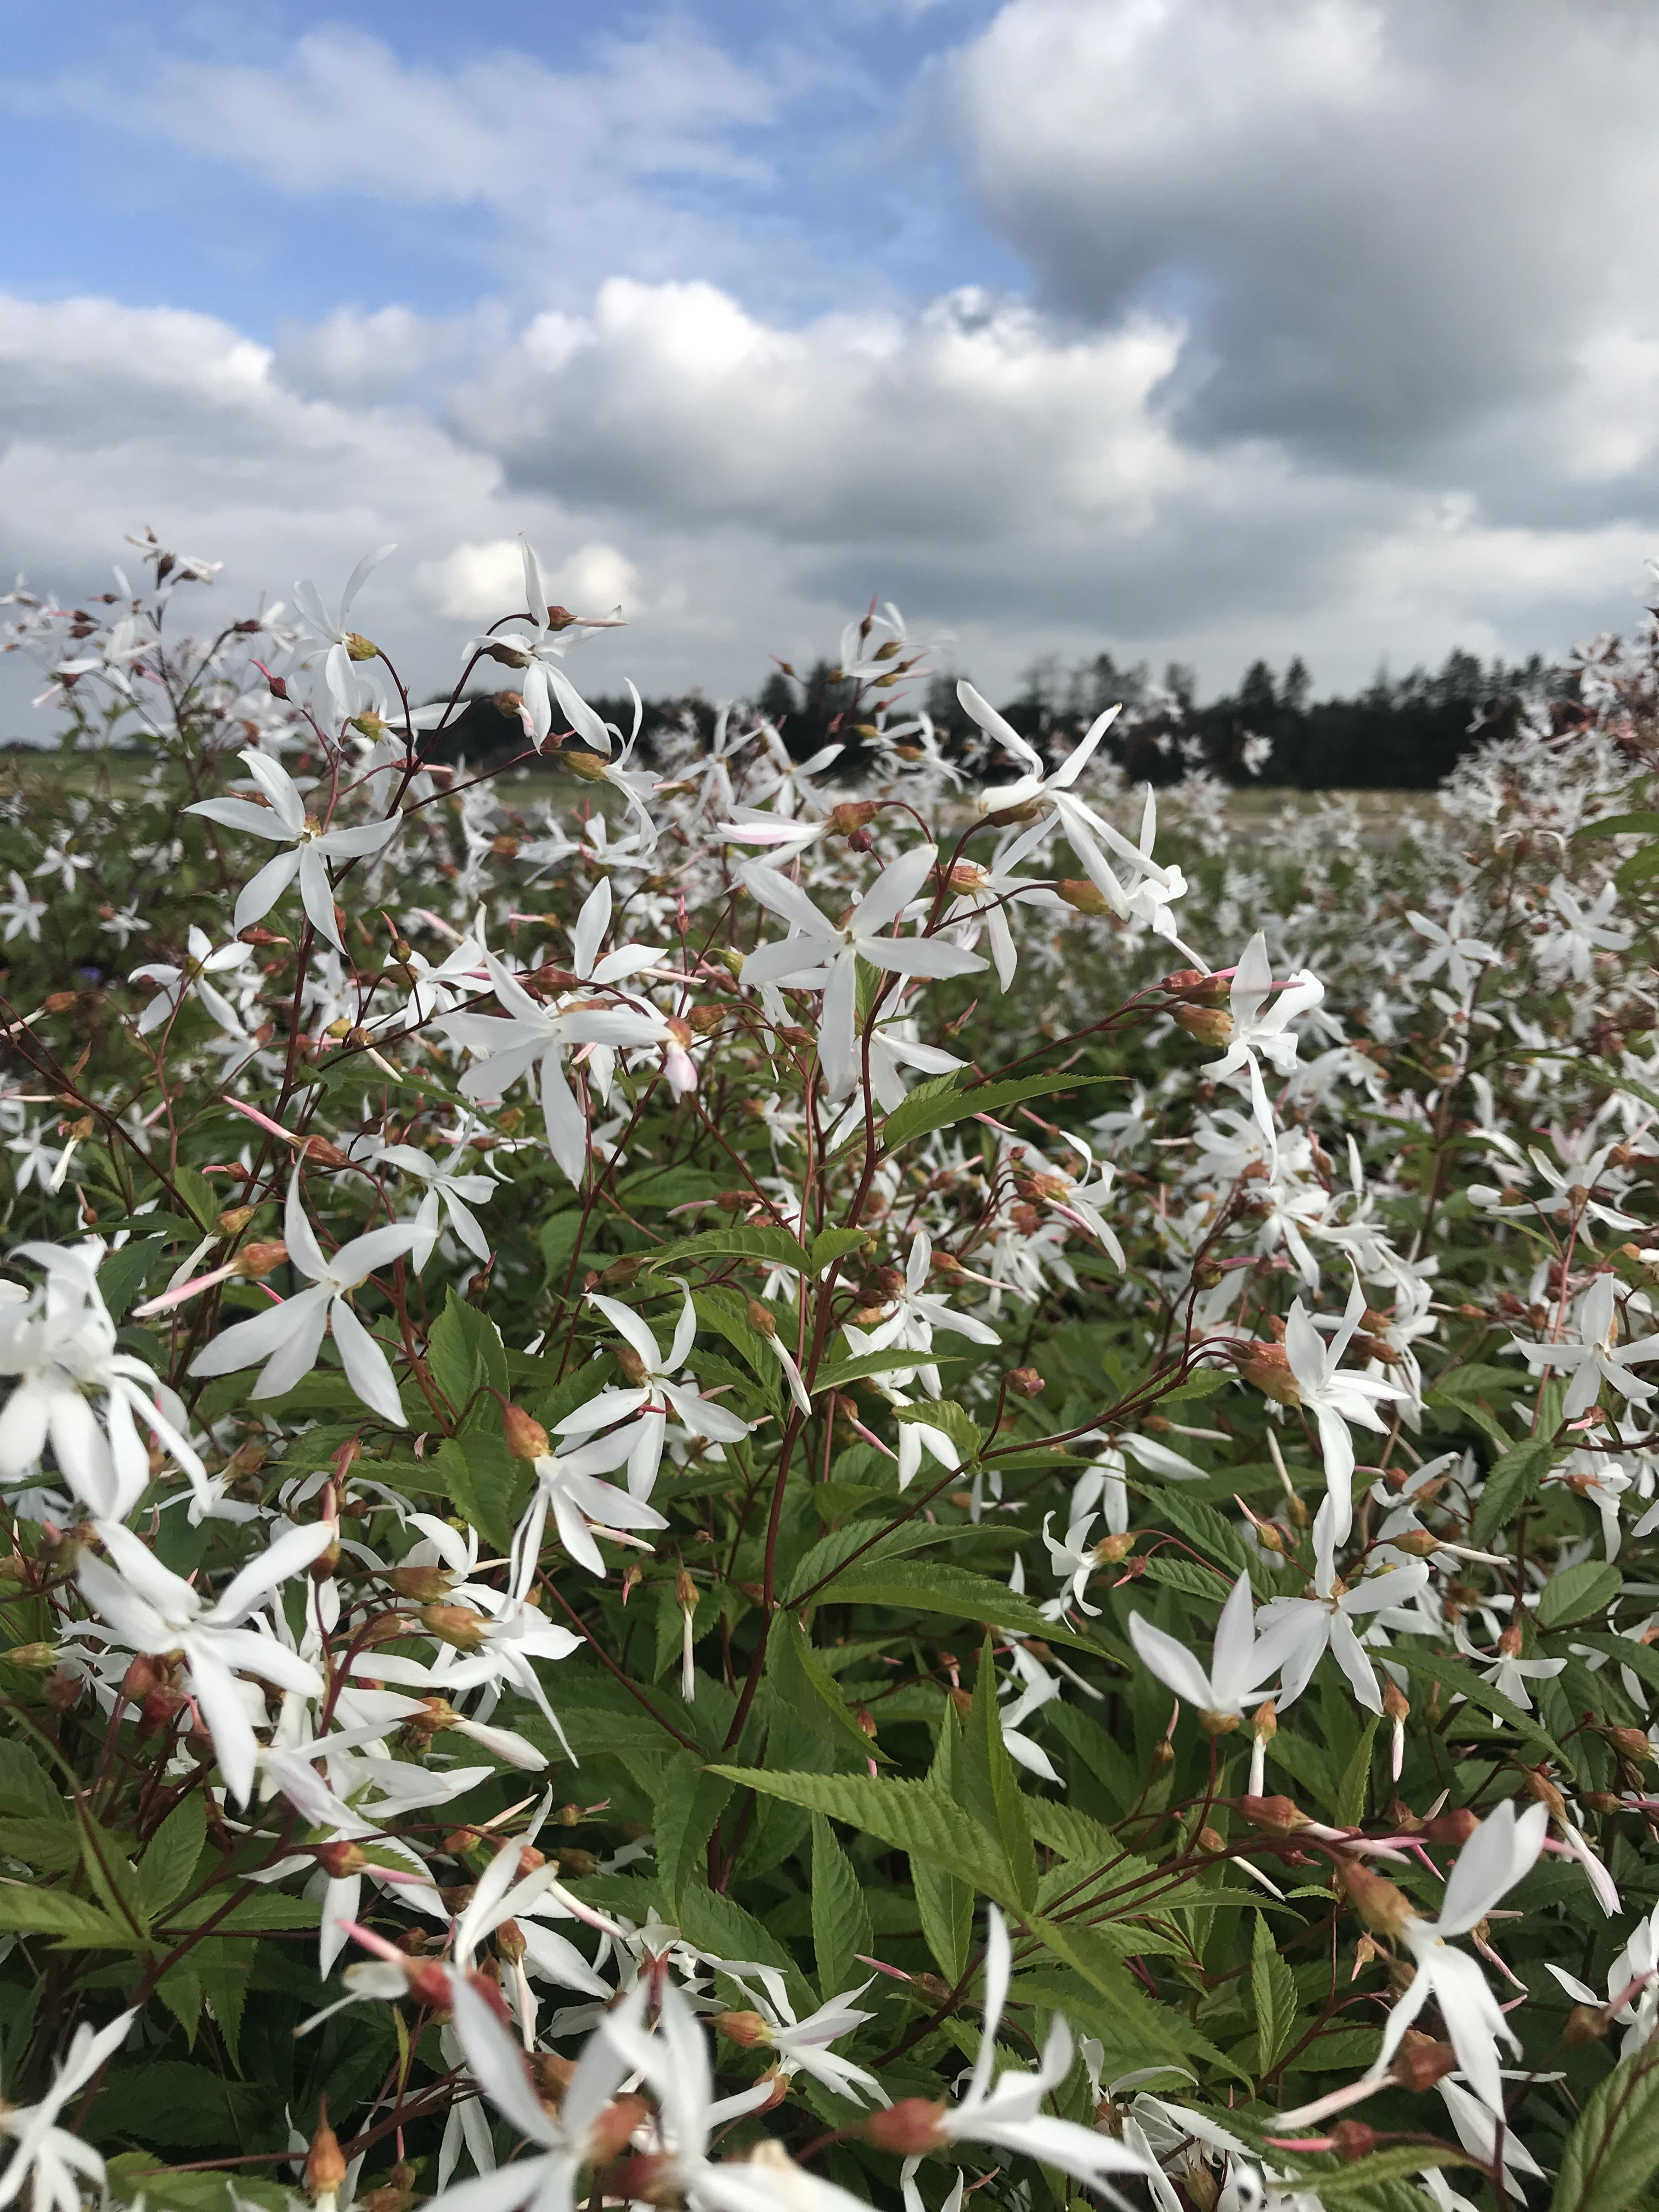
746, 2029
458, 1625
1268, 1367
358, 648
1586, 2024
1352, 2140
1110, 1549
423, 1585
1210, 1025
762, 1320
1395, 1703
852, 814
32, 1658
1025, 1382
614, 2129
325, 2166
1083, 897
339, 1858
590, 767
525, 1436
1423, 2062
1384, 1907
909, 2129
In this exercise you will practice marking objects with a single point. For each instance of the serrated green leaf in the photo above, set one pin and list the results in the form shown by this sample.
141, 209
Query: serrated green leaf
25, 1910
986, 1782
810, 1693
1614, 2149
775, 1247
1467, 1684
925, 1110
832, 1244
49, 1846
945, 1905
1351, 1790
927, 1586
1513, 1479
464, 1353
1273, 1987
841, 1917
1578, 1592
1620, 825
170, 1856
689, 1804
912, 1816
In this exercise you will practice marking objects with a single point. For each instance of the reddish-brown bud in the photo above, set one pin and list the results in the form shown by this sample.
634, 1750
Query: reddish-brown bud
525, 1436
909, 2129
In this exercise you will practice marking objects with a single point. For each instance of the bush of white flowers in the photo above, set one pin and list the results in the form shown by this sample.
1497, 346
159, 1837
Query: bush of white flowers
736, 1485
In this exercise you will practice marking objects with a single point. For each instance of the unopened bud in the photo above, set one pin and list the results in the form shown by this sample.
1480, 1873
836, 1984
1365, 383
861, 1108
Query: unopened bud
1384, 1907
1083, 897
909, 2129
1268, 1367
233, 1220
525, 1436
32, 1658
1586, 2024
340, 1859
458, 1625
1275, 1816
359, 647
1025, 1382
1210, 1025
1395, 1703
762, 1320
746, 2029
429, 1585
1423, 2062
852, 814
1352, 2140
325, 2166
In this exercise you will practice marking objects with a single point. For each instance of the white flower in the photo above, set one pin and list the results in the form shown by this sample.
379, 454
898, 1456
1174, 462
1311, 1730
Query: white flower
822, 955
1335, 1396
655, 1396
176, 983
59, 1345
309, 846
1598, 1358
1325, 1622
447, 1192
344, 646
1501, 1852
61, 2164
1261, 1025
535, 648
1241, 1661
290, 1336
1008, 2111
912, 1316
21, 912
1452, 948
149, 1608
567, 1487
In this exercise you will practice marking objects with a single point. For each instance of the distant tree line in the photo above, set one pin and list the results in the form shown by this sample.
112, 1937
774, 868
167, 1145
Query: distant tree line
1403, 732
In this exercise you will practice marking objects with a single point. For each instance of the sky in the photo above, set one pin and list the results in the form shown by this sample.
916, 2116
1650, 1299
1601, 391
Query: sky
1172, 328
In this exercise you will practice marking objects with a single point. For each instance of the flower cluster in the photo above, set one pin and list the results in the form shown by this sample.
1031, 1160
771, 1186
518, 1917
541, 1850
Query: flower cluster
759, 1483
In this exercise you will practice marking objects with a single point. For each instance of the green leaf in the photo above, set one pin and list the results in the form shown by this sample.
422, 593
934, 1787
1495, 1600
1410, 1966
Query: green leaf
810, 1694
985, 1780
1367, 2185
464, 1354
27, 1912
924, 1110
720, 1925
946, 1414
481, 1478
1620, 825
1639, 866
1466, 1683
916, 1586
1578, 1592
944, 1904
728, 1315
135, 2179
171, 2102
170, 1857
25, 1785
826, 1557
51, 1846
1613, 2150
1352, 1789
1272, 1988
840, 1918
832, 1244
1513, 1479
688, 1806
269, 1914
775, 1247
912, 1816
1156, 2029
122, 1275
836, 1374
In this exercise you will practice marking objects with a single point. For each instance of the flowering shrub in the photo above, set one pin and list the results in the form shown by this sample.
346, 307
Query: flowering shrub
730, 1488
